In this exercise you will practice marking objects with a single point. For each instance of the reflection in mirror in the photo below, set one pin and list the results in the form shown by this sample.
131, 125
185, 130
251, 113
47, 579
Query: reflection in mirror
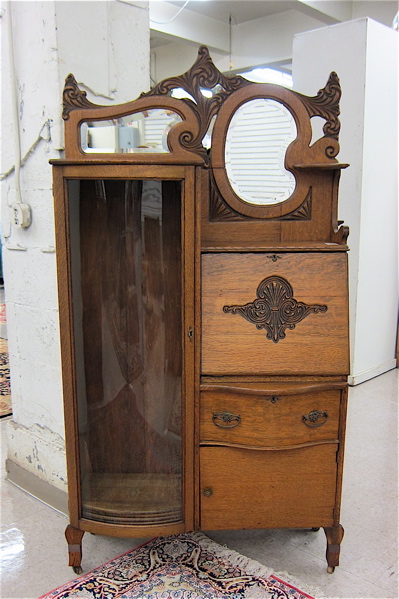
135, 133
256, 142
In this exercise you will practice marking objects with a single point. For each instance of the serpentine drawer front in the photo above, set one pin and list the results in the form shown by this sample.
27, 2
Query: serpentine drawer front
266, 313
263, 419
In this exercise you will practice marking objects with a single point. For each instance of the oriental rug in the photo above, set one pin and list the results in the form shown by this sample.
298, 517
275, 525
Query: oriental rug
5, 388
185, 566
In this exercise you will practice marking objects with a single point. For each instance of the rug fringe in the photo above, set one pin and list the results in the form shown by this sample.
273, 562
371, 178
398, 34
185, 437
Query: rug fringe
255, 568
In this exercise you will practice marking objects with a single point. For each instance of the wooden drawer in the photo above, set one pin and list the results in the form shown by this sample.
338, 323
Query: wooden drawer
273, 314
282, 417
243, 488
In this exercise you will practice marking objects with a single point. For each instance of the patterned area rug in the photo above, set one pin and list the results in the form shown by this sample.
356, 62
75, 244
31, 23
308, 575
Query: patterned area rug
186, 566
5, 389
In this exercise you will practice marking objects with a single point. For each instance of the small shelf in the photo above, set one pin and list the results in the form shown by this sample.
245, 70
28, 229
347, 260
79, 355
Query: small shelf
132, 498
324, 166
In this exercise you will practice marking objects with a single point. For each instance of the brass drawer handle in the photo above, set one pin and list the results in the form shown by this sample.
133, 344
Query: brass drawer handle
207, 491
228, 419
312, 419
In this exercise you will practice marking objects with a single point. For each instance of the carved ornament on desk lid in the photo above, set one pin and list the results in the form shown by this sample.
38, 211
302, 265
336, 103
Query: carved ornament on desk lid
275, 308
202, 75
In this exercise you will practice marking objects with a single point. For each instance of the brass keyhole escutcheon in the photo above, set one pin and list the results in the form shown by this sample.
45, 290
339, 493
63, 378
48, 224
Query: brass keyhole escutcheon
207, 491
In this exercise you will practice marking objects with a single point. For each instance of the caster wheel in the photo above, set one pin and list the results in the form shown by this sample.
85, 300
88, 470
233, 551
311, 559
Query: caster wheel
77, 569
330, 569
315, 529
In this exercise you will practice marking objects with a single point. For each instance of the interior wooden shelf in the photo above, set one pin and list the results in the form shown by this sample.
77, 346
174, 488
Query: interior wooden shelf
132, 498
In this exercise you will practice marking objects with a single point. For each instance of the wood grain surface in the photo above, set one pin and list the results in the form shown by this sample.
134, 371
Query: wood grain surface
264, 489
232, 345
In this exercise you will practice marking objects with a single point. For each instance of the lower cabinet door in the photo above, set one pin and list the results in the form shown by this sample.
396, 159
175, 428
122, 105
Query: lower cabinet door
243, 488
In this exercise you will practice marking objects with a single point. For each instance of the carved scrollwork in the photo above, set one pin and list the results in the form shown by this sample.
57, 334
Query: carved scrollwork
74, 97
202, 75
326, 105
275, 308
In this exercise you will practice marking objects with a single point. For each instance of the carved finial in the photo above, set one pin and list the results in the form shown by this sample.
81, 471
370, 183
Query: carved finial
73, 97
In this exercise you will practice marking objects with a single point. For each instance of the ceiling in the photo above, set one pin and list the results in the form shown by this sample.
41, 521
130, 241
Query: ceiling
240, 10
259, 31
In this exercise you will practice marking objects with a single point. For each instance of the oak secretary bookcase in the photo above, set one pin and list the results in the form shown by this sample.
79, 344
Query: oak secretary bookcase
203, 309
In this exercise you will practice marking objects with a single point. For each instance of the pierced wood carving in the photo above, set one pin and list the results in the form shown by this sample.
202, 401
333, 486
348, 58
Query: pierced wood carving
326, 105
74, 97
202, 75
275, 308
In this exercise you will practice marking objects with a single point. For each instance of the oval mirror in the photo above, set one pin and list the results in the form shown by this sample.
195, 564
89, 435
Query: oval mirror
141, 132
256, 142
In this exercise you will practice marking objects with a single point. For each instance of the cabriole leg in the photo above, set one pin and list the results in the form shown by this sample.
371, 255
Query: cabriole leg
334, 535
74, 539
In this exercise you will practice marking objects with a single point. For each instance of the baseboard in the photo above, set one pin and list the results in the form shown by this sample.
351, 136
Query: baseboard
356, 379
38, 488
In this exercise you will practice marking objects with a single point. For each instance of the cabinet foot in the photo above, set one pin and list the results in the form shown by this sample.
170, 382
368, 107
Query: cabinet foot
330, 569
74, 539
334, 535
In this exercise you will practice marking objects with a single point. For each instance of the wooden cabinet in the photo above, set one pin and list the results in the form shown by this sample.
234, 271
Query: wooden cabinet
203, 310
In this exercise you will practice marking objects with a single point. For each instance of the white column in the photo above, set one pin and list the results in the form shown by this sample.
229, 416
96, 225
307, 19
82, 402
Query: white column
364, 53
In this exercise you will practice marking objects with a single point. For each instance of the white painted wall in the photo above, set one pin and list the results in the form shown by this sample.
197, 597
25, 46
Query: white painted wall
365, 56
106, 45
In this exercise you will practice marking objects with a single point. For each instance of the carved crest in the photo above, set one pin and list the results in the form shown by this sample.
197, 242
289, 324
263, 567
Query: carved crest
326, 105
275, 308
202, 75
74, 97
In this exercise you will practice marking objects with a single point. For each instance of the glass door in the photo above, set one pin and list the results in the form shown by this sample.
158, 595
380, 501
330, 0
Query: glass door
127, 290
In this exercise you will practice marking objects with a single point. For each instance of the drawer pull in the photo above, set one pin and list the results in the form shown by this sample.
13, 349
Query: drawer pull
312, 419
227, 419
207, 491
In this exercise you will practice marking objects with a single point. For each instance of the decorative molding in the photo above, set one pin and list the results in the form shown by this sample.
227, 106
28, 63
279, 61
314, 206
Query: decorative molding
202, 75
74, 98
275, 308
326, 105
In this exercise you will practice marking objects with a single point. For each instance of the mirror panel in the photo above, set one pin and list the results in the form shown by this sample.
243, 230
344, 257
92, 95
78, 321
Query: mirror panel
142, 132
256, 142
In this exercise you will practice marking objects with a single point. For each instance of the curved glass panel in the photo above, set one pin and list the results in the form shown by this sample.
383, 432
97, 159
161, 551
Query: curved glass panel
141, 132
127, 306
256, 142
